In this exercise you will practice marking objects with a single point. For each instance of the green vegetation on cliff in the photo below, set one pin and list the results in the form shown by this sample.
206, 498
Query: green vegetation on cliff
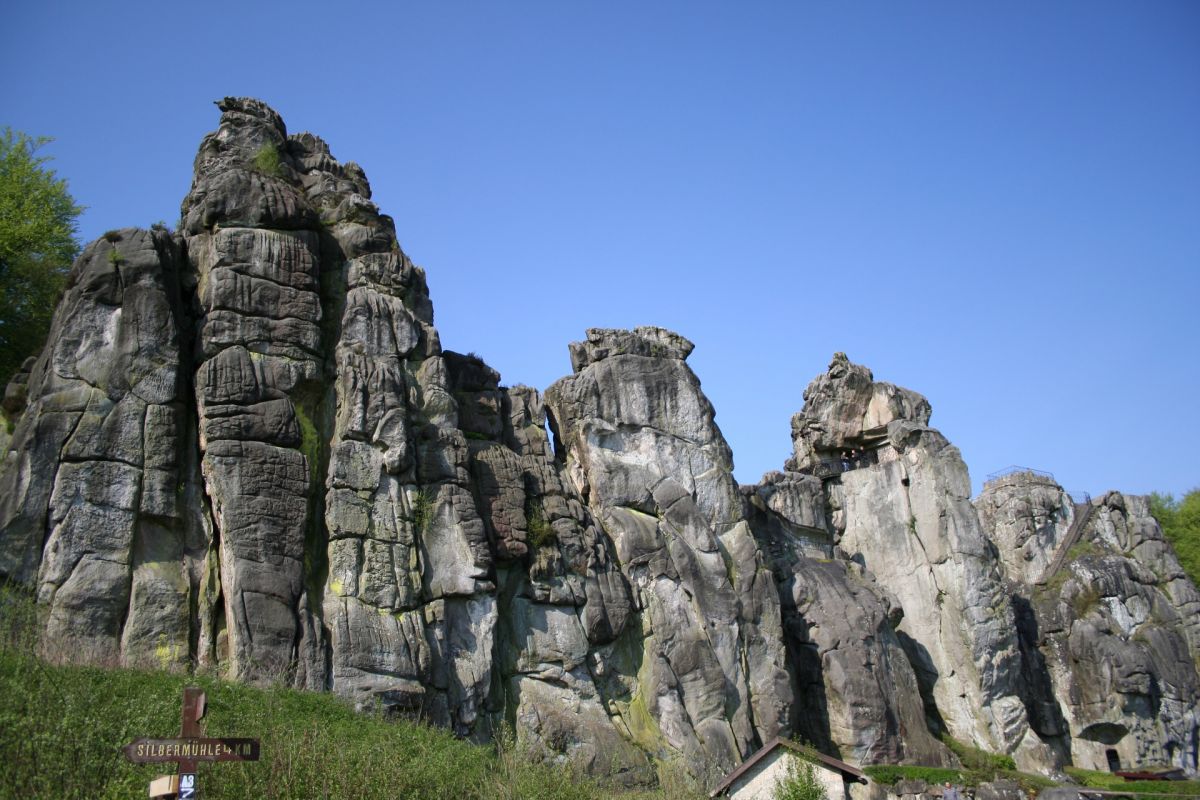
1180, 521
1114, 783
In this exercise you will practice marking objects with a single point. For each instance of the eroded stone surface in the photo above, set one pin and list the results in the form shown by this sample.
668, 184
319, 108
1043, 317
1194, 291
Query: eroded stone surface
1110, 638
1028, 516
857, 692
643, 450
90, 511
906, 516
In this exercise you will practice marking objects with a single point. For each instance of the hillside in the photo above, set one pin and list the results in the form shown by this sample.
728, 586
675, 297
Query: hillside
61, 729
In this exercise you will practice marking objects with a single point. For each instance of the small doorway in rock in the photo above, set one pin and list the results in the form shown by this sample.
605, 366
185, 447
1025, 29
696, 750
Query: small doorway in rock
1114, 760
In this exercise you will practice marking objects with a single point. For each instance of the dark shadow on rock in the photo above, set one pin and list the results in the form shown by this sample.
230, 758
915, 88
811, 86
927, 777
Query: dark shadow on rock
927, 676
1036, 687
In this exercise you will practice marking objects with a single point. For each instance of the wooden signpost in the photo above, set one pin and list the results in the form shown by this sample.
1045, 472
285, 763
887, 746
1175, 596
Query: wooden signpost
188, 750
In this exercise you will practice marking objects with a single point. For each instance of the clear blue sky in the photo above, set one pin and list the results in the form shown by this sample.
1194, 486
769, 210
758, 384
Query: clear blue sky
997, 205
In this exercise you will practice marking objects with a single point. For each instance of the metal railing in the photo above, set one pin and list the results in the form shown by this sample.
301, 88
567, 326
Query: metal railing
1083, 515
1010, 470
832, 467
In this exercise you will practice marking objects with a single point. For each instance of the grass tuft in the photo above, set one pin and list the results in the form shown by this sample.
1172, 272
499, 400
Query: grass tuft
541, 532
973, 758
266, 160
891, 774
1108, 781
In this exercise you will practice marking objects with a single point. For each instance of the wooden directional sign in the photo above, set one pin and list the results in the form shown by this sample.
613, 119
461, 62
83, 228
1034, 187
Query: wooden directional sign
150, 751
188, 750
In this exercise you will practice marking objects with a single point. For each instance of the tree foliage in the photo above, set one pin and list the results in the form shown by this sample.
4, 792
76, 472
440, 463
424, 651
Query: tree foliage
1180, 521
37, 244
801, 783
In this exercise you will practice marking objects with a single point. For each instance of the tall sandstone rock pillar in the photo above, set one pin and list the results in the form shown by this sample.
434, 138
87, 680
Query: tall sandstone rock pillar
93, 511
254, 255
642, 447
905, 514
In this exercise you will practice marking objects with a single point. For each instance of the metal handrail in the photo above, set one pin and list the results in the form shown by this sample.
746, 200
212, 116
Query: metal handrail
1078, 497
1013, 469
832, 467
1074, 534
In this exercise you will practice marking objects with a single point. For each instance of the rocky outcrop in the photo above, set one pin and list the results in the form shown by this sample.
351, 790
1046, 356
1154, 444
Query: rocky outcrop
93, 498
243, 448
566, 615
642, 448
254, 258
1029, 517
1110, 637
904, 513
857, 692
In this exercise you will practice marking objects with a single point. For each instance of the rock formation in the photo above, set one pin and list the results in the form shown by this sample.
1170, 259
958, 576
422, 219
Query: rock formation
244, 449
856, 688
644, 452
904, 513
1109, 624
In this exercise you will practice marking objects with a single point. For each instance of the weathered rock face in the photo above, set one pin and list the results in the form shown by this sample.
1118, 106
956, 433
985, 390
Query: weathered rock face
905, 514
857, 692
254, 270
567, 621
244, 448
92, 511
846, 407
642, 449
1111, 622
1028, 516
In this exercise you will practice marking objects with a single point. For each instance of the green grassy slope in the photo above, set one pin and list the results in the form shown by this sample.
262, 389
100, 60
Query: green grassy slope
62, 727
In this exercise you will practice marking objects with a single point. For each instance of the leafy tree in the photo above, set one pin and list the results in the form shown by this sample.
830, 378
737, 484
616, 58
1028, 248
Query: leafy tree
37, 245
801, 783
1180, 521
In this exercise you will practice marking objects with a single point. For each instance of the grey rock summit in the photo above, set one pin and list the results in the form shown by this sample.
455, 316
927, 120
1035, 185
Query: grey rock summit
906, 516
644, 452
244, 449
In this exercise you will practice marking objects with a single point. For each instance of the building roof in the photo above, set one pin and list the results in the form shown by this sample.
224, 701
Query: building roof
847, 770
